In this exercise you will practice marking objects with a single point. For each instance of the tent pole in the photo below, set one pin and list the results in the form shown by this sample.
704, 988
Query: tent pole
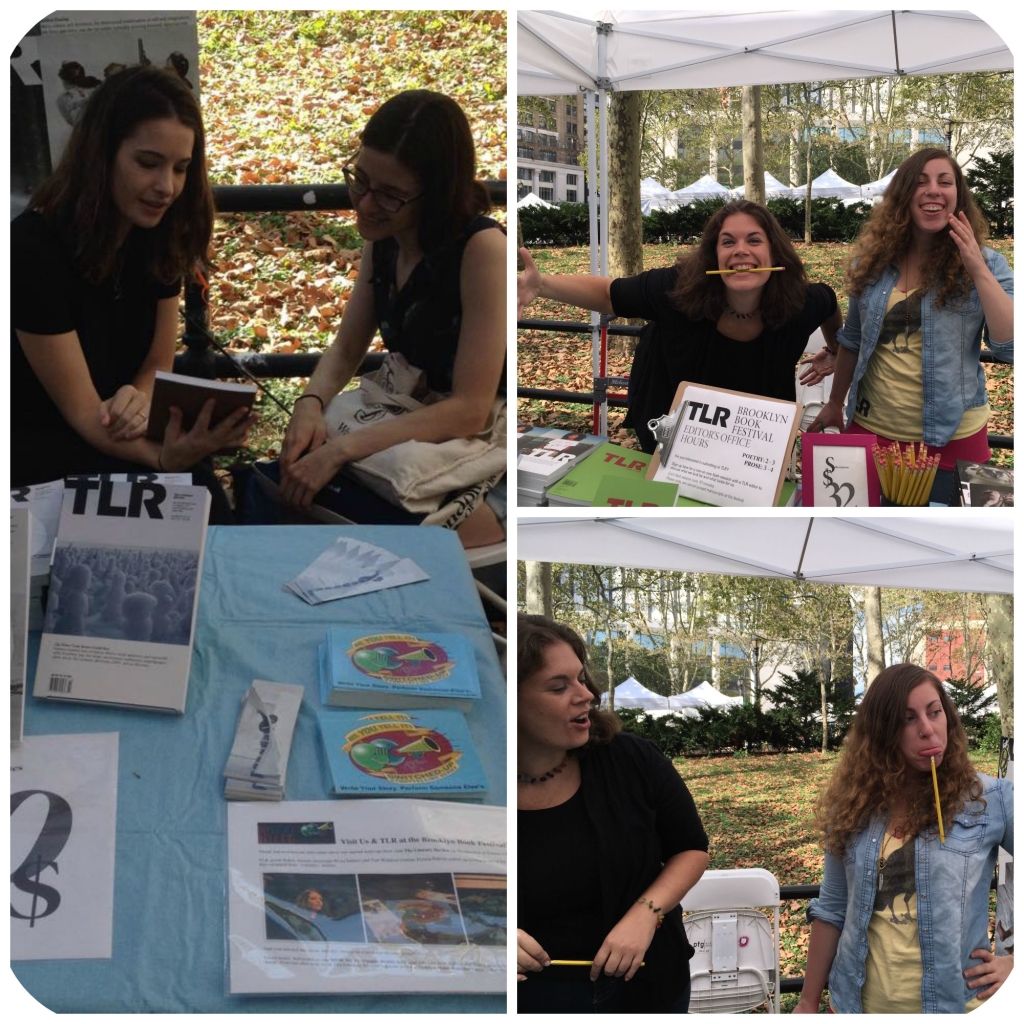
603, 31
595, 265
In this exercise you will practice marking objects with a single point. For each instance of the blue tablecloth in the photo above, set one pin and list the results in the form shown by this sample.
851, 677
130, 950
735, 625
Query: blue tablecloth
170, 874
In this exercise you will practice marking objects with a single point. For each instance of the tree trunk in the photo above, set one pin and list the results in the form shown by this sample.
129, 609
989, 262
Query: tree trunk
753, 149
826, 675
807, 128
622, 192
999, 628
873, 632
538, 588
608, 661
794, 157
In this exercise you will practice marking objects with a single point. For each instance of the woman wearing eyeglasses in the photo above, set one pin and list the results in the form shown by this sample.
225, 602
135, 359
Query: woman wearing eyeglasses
432, 280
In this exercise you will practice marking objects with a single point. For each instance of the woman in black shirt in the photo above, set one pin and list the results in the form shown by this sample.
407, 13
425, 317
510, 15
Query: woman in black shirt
744, 330
432, 279
96, 268
609, 841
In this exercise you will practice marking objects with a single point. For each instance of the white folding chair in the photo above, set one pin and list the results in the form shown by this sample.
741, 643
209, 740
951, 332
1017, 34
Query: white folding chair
735, 966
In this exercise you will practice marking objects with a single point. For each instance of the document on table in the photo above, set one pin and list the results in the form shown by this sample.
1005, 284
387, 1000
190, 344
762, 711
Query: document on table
350, 567
366, 896
63, 819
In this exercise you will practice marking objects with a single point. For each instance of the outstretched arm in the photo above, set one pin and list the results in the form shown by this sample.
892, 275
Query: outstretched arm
820, 954
581, 290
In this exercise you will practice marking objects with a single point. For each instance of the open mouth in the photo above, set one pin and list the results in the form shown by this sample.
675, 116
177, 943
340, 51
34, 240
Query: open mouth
932, 209
740, 267
582, 720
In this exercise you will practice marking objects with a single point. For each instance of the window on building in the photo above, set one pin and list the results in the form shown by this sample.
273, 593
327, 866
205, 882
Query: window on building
525, 190
570, 195
547, 193
525, 135
525, 152
570, 109
548, 155
547, 176
524, 173
572, 161
570, 179
571, 128
552, 105
548, 122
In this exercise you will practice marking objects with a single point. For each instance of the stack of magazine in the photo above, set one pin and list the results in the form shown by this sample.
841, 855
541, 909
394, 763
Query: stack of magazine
545, 456
410, 737
21, 551
580, 486
43, 504
983, 485
124, 587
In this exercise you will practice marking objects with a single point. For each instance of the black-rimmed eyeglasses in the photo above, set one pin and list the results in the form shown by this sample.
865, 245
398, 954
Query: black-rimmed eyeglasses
358, 187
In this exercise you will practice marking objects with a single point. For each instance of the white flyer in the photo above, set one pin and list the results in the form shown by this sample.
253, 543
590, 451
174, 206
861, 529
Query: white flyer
728, 448
366, 896
350, 567
63, 821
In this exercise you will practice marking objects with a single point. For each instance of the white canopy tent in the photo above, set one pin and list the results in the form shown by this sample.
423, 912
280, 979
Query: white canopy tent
632, 694
704, 187
773, 189
876, 188
946, 551
560, 53
532, 199
829, 185
703, 695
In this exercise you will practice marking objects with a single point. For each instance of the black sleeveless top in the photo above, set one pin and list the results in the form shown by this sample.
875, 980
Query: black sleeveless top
423, 319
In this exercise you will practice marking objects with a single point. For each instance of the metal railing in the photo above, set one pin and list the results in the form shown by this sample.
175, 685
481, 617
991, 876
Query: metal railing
200, 359
628, 330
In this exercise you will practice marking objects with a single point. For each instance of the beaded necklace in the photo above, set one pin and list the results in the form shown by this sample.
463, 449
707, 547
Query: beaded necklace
547, 775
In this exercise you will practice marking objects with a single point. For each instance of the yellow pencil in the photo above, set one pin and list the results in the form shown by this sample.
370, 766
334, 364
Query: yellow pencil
579, 963
938, 806
752, 270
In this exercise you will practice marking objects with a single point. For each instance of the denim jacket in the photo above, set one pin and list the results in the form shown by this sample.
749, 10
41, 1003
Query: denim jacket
952, 900
951, 370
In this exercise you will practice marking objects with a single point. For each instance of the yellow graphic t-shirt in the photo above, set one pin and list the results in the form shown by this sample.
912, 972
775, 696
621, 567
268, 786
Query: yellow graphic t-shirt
890, 396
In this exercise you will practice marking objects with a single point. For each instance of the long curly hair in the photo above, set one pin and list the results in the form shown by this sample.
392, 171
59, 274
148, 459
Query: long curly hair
872, 776
430, 135
77, 199
535, 634
702, 296
886, 237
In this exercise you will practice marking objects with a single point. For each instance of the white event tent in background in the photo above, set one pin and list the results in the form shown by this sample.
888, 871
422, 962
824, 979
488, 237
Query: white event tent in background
704, 187
703, 695
773, 189
532, 199
876, 188
829, 185
632, 694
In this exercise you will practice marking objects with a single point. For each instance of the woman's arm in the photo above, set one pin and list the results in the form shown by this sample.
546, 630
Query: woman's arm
583, 290
820, 954
822, 363
995, 301
623, 948
832, 414
530, 955
479, 359
307, 430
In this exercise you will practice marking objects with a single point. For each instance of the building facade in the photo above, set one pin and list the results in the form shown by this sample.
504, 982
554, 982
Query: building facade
549, 143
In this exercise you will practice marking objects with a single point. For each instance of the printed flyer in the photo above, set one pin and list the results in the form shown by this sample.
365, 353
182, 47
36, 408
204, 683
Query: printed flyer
366, 896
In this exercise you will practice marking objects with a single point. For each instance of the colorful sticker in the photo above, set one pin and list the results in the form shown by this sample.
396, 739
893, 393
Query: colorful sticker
394, 748
400, 658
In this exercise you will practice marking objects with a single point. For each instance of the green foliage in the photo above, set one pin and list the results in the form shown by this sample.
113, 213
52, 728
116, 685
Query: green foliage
801, 694
831, 220
991, 184
991, 735
973, 707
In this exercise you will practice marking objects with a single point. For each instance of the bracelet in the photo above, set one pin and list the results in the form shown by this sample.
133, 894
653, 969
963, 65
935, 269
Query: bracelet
650, 906
309, 394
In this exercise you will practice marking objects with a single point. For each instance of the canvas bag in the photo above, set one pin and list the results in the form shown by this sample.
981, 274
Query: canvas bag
420, 476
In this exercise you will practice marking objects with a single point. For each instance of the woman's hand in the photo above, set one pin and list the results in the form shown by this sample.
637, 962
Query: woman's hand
624, 947
126, 415
805, 1006
307, 431
303, 480
970, 252
181, 450
819, 366
529, 955
527, 283
990, 974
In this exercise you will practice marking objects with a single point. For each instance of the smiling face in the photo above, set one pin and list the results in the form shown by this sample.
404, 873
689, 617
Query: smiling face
150, 169
742, 243
554, 704
386, 175
924, 729
935, 198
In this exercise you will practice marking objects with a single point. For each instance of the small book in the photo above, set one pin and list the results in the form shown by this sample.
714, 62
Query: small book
401, 754
124, 588
190, 394
579, 486
626, 491
398, 670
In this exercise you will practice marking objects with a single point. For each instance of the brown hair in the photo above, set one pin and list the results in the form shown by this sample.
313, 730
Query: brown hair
534, 635
702, 296
77, 198
886, 236
428, 133
872, 775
